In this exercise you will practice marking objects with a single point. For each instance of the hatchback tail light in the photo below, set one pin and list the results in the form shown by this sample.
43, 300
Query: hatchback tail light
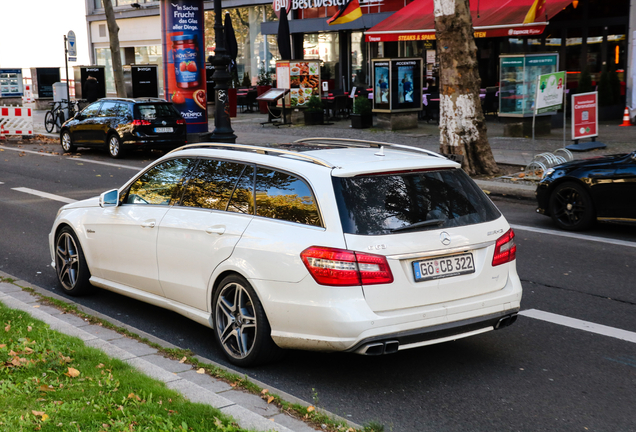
339, 267
181, 121
141, 123
505, 249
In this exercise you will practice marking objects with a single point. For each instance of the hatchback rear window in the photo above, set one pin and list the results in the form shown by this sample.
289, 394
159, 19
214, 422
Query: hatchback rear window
413, 201
156, 111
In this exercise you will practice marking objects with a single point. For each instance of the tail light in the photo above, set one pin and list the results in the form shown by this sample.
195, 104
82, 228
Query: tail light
181, 121
505, 249
338, 267
141, 123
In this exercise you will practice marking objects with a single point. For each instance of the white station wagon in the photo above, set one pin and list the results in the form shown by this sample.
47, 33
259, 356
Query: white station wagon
350, 246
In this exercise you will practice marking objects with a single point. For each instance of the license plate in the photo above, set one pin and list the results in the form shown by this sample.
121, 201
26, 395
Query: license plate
443, 267
163, 130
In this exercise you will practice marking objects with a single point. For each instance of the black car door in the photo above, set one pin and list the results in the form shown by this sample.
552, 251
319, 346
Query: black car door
102, 124
83, 123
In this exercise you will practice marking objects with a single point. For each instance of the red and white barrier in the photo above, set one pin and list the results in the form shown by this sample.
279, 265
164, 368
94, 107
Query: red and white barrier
28, 94
16, 120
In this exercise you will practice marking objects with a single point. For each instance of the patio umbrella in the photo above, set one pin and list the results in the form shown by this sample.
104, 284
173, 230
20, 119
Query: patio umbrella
231, 46
284, 45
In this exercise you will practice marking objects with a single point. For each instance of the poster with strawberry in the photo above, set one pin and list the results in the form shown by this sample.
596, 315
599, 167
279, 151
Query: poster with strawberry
183, 45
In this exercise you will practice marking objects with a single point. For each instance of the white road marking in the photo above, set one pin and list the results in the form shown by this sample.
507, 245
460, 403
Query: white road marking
72, 158
45, 195
574, 236
580, 324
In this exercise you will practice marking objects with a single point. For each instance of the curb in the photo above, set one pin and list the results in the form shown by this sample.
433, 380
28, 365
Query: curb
180, 377
498, 188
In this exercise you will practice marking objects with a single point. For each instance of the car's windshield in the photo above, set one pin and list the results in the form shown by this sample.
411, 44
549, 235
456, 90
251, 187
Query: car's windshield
413, 201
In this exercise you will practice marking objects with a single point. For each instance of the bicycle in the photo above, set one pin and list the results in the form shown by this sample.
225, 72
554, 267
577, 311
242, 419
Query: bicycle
55, 116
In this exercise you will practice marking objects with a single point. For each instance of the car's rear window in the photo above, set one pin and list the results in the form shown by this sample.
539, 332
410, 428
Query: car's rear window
156, 111
413, 201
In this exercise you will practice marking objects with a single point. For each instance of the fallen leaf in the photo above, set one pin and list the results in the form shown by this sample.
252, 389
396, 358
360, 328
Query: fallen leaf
270, 399
7, 327
37, 413
3, 345
45, 417
310, 409
72, 372
265, 391
218, 423
29, 328
46, 388
201, 371
36, 306
133, 396
99, 366
183, 359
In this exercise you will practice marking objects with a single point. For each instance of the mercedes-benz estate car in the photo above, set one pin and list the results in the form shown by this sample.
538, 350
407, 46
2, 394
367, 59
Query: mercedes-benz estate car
366, 249
121, 124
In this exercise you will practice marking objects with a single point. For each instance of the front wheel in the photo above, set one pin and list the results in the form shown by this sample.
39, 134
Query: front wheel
70, 264
114, 146
571, 207
240, 324
67, 142
49, 122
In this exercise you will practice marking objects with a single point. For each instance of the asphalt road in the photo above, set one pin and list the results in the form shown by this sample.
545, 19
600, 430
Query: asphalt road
541, 374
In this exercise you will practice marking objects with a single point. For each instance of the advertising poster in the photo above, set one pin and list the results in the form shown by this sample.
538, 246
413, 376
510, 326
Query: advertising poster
183, 43
549, 94
11, 82
584, 115
304, 81
406, 85
381, 85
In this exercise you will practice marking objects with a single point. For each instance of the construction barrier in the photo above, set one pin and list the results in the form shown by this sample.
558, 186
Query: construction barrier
28, 94
16, 120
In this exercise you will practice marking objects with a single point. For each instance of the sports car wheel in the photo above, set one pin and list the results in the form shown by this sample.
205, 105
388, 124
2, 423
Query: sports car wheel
240, 324
571, 207
114, 146
70, 264
67, 142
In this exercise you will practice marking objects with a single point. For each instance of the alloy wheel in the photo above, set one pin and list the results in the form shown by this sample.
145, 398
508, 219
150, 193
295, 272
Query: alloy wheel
67, 261
113, 146
66, 141
235, 320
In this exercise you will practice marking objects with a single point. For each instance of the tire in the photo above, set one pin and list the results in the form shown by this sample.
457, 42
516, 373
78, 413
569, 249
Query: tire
49, 122
571, 207
241, 327
66, 140
113, 145
70, 264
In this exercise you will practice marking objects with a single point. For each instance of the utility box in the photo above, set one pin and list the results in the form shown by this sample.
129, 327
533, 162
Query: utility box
141, 81
81, 74
60, 92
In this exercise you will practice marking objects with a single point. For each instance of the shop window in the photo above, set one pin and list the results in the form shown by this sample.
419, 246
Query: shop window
324, 46
359, 60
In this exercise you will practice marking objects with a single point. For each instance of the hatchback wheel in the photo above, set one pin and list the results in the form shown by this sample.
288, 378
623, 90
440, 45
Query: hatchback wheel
67, 142
70, 264
240, 324
571, 207
114, 146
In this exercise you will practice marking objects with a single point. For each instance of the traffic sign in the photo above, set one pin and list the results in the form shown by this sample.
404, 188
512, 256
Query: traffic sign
72, 46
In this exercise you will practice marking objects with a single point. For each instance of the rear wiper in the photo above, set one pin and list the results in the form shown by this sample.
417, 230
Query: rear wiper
420, 224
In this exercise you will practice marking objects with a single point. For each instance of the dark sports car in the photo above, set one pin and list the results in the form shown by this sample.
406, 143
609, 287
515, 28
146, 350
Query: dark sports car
576, 194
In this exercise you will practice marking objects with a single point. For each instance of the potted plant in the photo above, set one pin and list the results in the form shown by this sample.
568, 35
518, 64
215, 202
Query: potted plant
362, 116
314, 112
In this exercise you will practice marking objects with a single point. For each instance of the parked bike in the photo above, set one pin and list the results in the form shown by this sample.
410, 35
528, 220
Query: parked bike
56, 117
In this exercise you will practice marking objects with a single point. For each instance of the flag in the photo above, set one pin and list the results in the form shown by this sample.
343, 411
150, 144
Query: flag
536, 12
348, 12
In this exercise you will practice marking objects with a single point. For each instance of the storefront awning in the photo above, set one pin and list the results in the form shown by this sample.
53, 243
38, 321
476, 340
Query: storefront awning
416, 20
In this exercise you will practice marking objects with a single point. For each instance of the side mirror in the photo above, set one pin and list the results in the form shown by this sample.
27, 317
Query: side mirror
109, 199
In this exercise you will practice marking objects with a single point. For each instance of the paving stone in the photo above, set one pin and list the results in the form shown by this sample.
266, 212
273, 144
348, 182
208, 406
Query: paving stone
205, 381
292, 423
134, 347
252, 402
110, 349
249, 420
153, 371
73, 320
102, 332
24, 296
168, 364
50, 310
198, 394
8, 287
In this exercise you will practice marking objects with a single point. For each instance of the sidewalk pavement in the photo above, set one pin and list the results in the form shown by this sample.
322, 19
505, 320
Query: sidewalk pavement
514, 153
248, 410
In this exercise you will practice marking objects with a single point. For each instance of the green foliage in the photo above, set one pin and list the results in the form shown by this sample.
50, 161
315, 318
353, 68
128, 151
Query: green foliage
585, 82
51, 381
264, 76
246, 80
362, 106
314, 104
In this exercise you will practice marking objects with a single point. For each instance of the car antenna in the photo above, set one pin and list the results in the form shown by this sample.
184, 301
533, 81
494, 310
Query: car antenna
381, 152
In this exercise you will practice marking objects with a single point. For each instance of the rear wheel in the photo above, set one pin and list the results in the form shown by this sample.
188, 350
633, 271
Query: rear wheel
70, 264
240, 324
67, 142
49, 122
114, 146
571, 207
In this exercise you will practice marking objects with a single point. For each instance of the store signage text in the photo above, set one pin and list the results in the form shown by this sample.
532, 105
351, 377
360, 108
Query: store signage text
305, 4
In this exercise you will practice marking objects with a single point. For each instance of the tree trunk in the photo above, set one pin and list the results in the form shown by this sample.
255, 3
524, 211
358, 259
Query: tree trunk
113, 35
462, 124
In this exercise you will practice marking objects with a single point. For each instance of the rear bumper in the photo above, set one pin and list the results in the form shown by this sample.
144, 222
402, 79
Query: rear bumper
148, 142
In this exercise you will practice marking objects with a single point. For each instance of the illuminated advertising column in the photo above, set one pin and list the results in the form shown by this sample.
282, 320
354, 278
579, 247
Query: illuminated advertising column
183, 43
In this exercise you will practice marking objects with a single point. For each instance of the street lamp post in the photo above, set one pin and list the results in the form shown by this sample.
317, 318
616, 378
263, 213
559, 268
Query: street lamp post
222, 126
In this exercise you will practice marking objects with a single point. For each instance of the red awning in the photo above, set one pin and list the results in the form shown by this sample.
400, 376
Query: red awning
416, 20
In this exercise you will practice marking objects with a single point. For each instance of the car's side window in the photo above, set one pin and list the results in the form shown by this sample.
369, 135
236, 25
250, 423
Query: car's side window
91, 110
280, 195
159, 185
123, 110
212, 184
109, 109
243, 197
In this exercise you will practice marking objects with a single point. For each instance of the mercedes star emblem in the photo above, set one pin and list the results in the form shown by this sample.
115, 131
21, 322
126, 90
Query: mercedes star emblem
445, 238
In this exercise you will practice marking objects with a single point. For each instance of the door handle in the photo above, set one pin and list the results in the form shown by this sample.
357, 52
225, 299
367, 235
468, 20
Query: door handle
215, 230
148, 224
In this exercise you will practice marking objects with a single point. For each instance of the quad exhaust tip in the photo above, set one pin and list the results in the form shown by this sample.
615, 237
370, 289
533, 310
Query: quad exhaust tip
506, 321
380, 348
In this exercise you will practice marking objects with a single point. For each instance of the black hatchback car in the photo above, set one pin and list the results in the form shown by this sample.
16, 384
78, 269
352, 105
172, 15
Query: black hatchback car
576, 194
117, 124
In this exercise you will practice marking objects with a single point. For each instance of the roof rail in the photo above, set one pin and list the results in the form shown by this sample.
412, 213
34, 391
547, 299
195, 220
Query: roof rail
348, 142
257, 149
